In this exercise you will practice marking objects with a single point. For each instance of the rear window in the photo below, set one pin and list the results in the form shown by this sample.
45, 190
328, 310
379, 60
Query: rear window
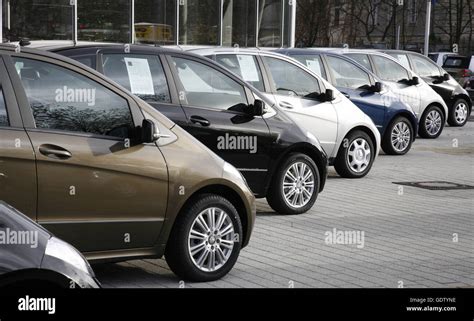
456, 62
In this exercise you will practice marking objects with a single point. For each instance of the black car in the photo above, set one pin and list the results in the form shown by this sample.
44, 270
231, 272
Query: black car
30, 255
279, 160
456, 97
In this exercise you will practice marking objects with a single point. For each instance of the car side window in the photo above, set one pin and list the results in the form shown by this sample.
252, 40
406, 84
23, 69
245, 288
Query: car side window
425, 67
64, 100
361, 59
291, 80
389, 70
313, 62
245, 66
402, 59
3, 111
207, 87
143, 75
347, 74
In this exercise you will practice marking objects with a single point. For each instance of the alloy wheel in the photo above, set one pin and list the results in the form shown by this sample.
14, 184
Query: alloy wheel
298, 185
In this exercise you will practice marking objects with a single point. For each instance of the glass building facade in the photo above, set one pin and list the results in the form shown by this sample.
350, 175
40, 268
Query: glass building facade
243, 23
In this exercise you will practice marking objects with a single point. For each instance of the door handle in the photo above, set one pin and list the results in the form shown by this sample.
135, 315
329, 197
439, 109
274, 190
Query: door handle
200, 120
284, 104
346, 94
56, 152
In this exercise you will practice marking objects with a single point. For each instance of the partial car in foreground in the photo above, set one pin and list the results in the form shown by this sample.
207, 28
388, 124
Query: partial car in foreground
31, 256
106, 172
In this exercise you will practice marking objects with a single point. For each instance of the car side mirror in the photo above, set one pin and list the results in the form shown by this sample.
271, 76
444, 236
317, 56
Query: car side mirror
378, 87
258, 108
149, 132
415, 81
329, 95
446, 77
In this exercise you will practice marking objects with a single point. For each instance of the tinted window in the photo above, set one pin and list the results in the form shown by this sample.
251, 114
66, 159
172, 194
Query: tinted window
143, 75
389, 70
362, 59
456, 62
245, 66
207, 87
88, 61
347, 74
313, 62
291, 80
65, 100
424, 66
3, 111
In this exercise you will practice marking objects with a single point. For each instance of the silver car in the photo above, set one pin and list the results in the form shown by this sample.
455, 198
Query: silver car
348, 136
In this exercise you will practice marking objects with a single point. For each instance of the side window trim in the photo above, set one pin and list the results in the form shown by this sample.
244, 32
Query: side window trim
180, 86
9, 97
24, 105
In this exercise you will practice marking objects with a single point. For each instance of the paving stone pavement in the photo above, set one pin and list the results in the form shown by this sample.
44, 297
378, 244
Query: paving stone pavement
412, 237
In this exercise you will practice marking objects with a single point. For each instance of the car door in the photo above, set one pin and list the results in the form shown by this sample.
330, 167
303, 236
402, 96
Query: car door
17, 158
146, 76
217, 107
296, 91
399, 79
356, 84
96, 188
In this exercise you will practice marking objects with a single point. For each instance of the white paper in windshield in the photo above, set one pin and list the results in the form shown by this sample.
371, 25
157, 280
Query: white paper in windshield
248, 69
314, 66
139, 73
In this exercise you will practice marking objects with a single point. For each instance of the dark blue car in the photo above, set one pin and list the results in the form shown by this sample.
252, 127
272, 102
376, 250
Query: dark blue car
395, 119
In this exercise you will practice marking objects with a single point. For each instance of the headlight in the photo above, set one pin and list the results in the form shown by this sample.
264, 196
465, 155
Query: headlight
65, 252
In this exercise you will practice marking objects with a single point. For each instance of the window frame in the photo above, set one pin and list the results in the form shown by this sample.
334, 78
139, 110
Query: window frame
350, 61
24, 104
160, 61
213, 65
376, 69
273, 89
11, 104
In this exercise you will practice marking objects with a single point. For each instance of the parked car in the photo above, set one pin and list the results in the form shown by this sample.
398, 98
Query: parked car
456, 98
348, 136
395, 120
440, 57
29, 254
461, 68
106, 172
428, 106
279, 160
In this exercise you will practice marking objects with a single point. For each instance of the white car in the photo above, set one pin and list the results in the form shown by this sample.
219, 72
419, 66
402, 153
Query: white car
440, 57
348, 136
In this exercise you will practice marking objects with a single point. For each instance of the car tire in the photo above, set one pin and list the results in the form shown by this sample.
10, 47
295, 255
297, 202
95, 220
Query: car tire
431, 123
398, 137
351, 160
206, 241
459, 113
304, 193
